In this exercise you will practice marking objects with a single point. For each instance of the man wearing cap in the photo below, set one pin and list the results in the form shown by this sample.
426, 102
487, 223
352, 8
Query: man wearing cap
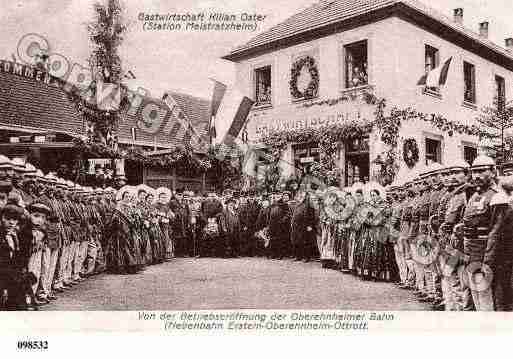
408, 199
432, 271
5, 169
14, 256
479, 231
415, 234
34, 232
52, 241
18, 175
452, 206
499, 255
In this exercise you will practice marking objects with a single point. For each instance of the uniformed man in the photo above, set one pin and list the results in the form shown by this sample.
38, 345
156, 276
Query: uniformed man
500, 245
479, 226
417, 234
450, 213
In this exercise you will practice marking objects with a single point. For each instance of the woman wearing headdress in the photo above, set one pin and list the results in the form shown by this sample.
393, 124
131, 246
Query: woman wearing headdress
330, 223
154, 231
371, 252
141, 215
124, 251
164, 217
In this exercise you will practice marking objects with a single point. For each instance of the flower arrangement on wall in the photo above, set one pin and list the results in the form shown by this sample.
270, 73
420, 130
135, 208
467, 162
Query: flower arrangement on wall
307, 67
410, 152
388, 125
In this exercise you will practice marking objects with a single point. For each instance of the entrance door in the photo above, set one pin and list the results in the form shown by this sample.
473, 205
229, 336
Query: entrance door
304, 155
357, 161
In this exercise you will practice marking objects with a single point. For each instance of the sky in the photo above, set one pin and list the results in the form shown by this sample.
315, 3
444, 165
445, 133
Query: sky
184, 61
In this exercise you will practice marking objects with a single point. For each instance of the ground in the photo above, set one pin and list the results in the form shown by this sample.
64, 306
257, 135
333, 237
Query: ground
242, 283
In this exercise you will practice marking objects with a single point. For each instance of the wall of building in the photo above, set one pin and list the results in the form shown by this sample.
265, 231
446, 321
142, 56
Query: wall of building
396, 60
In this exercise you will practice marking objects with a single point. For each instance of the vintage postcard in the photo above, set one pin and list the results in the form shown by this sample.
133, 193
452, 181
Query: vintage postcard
244, 166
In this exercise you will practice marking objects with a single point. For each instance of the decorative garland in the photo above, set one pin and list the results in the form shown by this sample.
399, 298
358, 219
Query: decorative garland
410, 152
313, 87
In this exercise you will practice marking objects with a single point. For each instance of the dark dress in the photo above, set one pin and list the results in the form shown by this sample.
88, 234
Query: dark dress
304, 242
124, 253
279, 230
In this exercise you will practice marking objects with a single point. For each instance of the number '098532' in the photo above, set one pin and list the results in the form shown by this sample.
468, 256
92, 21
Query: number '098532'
33, 345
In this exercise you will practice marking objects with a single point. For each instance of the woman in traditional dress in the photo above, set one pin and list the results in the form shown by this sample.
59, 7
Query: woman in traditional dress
165, 215
154, 231
330, 221
371, 253
124, 251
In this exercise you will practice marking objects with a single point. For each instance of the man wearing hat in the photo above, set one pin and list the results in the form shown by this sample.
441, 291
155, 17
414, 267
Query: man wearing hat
18, 175
211, 210
13, 260
248, 213
479, 231
230, 229
53, 240
34, 233
279, 228
5, 169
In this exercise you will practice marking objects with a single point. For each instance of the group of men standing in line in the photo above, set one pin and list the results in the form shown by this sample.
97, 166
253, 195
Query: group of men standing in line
444, 231
452, 229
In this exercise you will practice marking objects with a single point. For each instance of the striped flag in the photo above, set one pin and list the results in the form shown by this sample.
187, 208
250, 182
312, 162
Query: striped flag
217, 96
231, 115
437, 76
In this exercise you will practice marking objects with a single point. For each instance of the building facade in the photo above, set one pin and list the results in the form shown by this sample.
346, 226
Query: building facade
380, 47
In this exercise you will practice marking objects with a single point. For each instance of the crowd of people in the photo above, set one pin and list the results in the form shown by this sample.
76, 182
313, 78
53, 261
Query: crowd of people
443, 232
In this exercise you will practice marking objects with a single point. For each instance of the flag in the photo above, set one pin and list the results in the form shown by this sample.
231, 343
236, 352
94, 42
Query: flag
437, 76
231, 115
108, 96
217, 96
129, 75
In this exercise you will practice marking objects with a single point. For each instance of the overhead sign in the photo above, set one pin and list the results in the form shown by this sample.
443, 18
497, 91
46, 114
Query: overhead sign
289, 117
307, 160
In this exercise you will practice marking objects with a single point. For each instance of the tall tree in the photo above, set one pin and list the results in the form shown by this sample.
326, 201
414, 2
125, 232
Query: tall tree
497, 120
106, 33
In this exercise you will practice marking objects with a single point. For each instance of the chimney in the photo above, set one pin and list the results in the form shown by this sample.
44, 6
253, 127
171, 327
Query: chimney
509, 44
483, 29
458, 15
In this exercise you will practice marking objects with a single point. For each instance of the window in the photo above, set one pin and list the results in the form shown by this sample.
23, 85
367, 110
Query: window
500, 92
356, 64
433, 151
469, 76
432, 60
263, 86
469, 154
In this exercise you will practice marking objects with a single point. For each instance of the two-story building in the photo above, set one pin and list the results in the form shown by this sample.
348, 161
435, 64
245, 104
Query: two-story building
299, 70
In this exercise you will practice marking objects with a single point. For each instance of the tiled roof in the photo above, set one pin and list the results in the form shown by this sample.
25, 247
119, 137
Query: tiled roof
330, 12
26, 102
196, 109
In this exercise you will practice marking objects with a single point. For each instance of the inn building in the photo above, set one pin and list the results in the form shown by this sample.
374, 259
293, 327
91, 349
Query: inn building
39, 121
383, 47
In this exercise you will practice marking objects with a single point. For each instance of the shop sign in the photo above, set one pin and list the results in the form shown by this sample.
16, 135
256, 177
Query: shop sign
307, 160
27, 71
262, 122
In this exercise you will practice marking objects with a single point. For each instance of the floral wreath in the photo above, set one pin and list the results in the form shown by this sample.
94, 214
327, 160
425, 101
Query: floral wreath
313, 87
410, 152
